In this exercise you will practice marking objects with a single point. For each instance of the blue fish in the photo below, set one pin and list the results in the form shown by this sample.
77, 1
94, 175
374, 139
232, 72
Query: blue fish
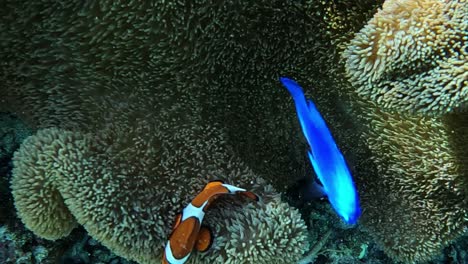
327, 160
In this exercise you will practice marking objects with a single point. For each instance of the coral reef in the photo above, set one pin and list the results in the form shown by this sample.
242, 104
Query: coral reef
86, 250
336, 242
412, 56
129, 88
121, 192
139, 104
258, 234
456, 253
12, 133
34, 185
214, 54
412, 166
418, 180
21, 247
410, 172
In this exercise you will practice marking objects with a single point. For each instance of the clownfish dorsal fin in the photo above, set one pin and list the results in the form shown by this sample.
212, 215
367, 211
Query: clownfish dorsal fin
204, 239
214, 183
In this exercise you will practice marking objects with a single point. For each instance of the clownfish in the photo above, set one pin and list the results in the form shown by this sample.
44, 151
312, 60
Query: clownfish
327, 160
187, 231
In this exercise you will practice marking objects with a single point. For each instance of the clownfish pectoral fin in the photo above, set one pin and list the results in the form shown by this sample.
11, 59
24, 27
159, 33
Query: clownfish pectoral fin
177, 221
251, 195
204, 240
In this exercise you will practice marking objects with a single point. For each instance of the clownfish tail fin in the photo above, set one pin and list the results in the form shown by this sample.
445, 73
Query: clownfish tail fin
250, 195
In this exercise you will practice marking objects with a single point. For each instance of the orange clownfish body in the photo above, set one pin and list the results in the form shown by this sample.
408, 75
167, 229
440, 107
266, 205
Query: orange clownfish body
187, 232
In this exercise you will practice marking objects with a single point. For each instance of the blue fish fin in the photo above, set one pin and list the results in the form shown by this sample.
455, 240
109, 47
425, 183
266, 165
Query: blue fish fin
311, 105
317, 190
315, 115
312, 160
